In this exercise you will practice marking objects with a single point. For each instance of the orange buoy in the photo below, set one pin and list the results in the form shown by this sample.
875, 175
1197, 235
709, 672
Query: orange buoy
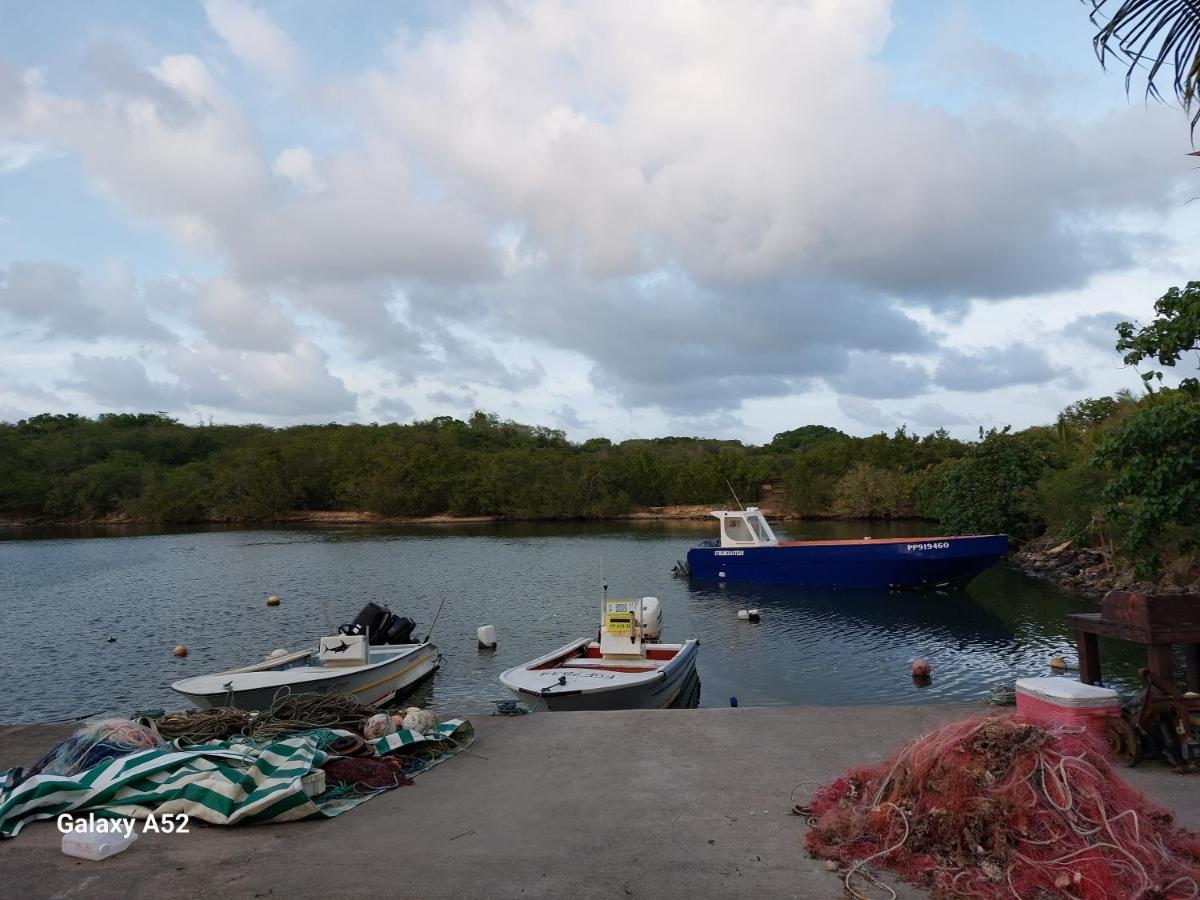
180, 650
1057, 662
921, 668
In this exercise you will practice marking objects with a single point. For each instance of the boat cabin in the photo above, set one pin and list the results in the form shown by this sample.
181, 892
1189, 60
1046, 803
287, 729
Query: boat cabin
745, 528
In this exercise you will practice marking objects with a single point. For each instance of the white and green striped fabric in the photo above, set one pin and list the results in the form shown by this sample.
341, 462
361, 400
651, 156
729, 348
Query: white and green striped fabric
457, 731
221, 783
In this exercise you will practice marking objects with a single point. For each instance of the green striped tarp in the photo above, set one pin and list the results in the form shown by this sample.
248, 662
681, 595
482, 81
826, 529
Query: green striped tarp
457, 731
223, 783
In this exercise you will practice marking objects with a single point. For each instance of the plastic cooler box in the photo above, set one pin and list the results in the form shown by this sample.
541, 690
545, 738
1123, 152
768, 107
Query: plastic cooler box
1064, 701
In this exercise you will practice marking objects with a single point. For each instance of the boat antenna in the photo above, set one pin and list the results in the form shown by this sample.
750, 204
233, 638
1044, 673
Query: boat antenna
735, 496
429, 633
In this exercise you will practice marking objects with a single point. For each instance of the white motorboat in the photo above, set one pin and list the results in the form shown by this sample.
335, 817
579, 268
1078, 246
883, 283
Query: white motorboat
355, 661
624, 669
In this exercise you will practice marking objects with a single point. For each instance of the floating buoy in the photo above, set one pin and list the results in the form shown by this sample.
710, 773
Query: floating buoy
1057, 662
744, 614
753, 614
733, 701
272, 600
486, 635
180, 650
111, 640
276, 654
921, 668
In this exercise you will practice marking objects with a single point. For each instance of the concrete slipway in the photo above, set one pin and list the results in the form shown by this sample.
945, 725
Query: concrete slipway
637, 804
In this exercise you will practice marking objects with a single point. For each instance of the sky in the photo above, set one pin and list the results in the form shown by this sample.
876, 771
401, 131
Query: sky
615, 218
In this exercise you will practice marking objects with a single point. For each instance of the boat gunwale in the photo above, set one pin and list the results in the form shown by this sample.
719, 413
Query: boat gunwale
325, 673
887, 540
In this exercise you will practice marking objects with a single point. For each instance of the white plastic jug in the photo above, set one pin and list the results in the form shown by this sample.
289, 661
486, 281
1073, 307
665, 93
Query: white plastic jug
96, 844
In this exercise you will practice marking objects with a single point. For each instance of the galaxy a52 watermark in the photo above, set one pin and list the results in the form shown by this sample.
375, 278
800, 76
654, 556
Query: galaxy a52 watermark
168, 823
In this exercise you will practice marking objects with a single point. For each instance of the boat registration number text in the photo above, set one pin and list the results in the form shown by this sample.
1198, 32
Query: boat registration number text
729, 553
605, 675
932, 545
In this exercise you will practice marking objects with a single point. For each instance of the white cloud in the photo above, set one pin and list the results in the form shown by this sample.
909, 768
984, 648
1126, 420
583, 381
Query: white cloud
865, 412
934, 415
292, 384
18, 155
119, 383
297, 166
63, 303
254, 38
688, 207
240, 318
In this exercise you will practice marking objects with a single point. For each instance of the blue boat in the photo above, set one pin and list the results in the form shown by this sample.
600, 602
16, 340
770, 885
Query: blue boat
748, 550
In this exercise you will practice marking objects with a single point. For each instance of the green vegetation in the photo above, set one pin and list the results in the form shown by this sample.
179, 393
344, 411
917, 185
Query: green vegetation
1120, 471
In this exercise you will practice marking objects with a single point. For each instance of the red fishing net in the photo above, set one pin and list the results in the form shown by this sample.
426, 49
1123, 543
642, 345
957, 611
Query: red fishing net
995, 807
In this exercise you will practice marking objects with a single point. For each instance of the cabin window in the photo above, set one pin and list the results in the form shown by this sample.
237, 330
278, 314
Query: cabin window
737, 530
760, 530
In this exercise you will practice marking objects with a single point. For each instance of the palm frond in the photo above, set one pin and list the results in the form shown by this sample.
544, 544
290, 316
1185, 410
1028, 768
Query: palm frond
1149, 35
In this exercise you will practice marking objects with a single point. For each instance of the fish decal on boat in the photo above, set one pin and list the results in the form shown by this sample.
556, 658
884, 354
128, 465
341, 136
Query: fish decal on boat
340, 648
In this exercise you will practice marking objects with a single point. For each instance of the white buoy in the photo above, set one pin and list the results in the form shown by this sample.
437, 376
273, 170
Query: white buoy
486, 634
744, 614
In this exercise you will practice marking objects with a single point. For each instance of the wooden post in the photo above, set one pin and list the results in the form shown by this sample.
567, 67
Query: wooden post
1088, 647
1191, 653
1161, 661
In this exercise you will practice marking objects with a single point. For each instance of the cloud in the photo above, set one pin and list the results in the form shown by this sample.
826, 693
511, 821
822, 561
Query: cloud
61, 301
296, 164
235, 317
934, 415
291, 384
25, 390
1097, 329
18, 155
394, 409
119, 382
878, 375
996, 367
464, 400
865, 412
568, 416
621, 140
254, 38
639, 190
666, 341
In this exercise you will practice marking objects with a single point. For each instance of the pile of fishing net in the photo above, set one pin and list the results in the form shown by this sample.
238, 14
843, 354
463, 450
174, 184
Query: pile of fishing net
89, 746
992, 807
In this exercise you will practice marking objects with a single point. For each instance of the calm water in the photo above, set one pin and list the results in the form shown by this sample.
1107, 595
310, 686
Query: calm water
61, 597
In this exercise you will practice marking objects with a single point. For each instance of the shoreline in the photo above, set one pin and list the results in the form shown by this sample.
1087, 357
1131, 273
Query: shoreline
676, 513
1090, 571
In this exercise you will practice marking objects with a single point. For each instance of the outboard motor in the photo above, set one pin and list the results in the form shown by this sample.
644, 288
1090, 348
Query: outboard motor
381, 625
400, 630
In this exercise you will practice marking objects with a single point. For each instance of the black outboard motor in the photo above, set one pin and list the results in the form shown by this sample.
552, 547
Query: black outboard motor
400, 630
381, 624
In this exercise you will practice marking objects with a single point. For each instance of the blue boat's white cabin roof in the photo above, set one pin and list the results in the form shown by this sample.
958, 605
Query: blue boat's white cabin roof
745, 528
